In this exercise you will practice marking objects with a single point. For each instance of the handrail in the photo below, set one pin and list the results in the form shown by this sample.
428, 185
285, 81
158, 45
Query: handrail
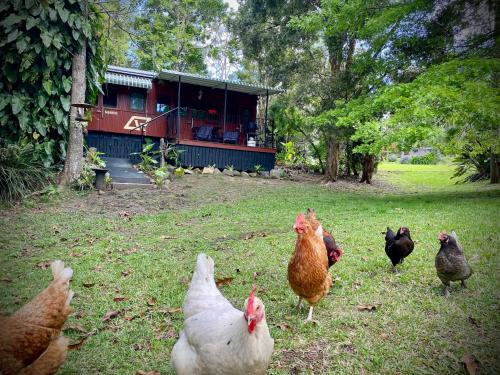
143, 125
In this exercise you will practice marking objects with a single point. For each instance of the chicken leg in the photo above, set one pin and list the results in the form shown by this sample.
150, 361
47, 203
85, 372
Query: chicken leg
300, 305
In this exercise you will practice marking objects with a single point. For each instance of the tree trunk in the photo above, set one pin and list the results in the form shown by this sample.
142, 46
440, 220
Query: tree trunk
74, 155
368, 168
332, 160
494, 168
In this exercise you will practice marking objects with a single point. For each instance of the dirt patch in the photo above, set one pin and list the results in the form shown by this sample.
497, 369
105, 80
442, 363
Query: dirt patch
313, 357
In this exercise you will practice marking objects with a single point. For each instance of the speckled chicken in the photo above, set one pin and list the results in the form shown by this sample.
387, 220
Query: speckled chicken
451, 264
398, 246
31, 341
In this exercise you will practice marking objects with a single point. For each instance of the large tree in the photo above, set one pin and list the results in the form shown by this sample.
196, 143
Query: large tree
173, 34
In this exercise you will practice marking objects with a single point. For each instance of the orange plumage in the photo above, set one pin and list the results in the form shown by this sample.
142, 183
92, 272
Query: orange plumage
308, 268
31, 341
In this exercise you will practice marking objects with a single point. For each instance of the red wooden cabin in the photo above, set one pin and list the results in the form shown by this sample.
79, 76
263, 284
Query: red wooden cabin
213, 121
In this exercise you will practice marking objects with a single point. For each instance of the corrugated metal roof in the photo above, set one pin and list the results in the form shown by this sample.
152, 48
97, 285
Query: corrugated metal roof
129, 80
195, 79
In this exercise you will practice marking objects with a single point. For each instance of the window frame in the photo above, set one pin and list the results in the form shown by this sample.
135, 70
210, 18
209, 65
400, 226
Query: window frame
143, 94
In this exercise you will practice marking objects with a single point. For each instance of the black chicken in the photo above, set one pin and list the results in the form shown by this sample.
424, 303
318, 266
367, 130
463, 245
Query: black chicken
333, 251
451, 264
398, 246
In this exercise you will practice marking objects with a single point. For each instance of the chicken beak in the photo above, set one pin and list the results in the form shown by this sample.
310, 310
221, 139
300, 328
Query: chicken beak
251, 323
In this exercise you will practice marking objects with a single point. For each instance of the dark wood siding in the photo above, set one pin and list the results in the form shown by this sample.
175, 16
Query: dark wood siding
114, 145
197, 156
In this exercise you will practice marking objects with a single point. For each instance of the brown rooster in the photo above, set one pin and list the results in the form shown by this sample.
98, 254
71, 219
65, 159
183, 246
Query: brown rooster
308, 268
31, 340
333, 251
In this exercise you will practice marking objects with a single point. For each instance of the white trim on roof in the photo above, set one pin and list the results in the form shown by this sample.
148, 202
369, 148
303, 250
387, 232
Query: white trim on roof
128, 80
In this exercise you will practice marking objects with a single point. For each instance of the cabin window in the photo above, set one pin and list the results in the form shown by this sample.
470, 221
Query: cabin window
137, 101
110, 98
162, 104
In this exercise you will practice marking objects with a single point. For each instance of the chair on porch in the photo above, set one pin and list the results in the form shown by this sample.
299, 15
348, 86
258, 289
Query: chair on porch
231, 137
204, 133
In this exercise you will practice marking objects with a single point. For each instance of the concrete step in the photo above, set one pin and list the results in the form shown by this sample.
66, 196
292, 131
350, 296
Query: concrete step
122, 171
128, 185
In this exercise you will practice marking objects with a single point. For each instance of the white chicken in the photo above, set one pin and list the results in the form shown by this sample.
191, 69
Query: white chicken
217, 338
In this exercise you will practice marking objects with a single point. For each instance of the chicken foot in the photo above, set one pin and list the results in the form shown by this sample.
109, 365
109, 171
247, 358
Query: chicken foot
310, 315
463, 285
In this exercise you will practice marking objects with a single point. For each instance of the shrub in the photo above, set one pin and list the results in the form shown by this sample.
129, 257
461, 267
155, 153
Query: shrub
86, 179
392, 158
427, 159
21, 172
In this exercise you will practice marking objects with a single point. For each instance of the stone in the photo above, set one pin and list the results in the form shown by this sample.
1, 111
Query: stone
245, 174
170, 168
217, 171
236, 173
275, 173
188, 171
207, 170
252, 174
264, 174
227, 172
197, 170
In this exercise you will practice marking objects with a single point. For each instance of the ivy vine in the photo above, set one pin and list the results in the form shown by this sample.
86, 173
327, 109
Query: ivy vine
38, 40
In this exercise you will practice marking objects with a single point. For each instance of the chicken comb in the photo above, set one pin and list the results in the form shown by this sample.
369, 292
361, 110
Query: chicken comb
249, 309
300, 218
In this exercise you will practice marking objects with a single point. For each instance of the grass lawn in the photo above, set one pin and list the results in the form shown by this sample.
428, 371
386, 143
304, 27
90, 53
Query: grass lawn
139, 264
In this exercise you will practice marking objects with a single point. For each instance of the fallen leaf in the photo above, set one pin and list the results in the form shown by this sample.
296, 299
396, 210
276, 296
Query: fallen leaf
6, 279
120, 299
132, 250
171, 310
97, 268
127, 272
473, 321
223, 281
141, 372
110, 315
363, 307
184, 280
151, 301
75, 255
128, 317
248, 236
88, 285
365, 258
288, 317
168, 238
470, 363
43, 265
474, 258
124, 214
284, 326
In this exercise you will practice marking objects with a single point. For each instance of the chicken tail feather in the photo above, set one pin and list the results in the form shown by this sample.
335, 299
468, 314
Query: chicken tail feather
59, 272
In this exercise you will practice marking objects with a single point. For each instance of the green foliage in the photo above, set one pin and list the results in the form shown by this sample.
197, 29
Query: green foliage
21, 172
148, 156
170, 36
179, 172
258, 168
93, 158
427, 159
38, 40
472, 166
159, 176
229, 167
86, 180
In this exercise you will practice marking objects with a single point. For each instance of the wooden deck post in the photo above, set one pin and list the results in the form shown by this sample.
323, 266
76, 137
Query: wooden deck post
265, 119
178, 135
225, 103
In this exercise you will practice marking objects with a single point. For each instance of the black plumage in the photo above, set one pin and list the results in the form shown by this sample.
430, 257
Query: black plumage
398, 246
451, 264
